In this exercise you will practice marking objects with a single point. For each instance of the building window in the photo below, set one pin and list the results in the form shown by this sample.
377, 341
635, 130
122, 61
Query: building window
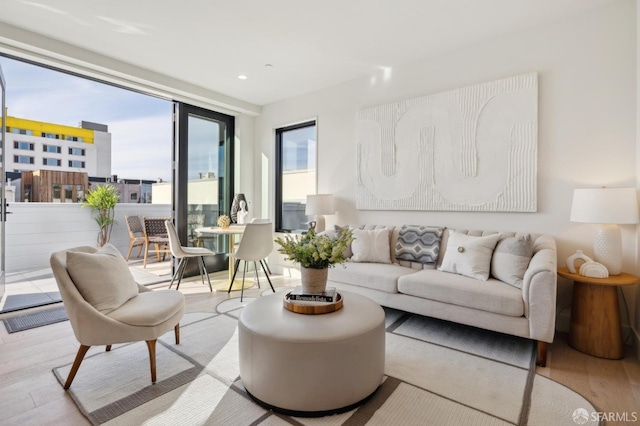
295, 174
21, 131
74, 138
56, 193
76, 164
50, 135
133, 197
51, 162
76, 151
52, 148
29, 146
68, 193
23, 159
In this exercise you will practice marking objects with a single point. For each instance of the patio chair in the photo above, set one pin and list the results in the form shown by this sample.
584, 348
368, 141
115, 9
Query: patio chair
106, 306
136, 234
155, 233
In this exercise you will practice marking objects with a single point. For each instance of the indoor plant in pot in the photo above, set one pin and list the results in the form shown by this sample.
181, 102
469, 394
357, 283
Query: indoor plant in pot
315, 254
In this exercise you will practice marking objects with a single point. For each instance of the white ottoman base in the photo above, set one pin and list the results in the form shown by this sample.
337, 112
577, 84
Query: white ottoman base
311, 365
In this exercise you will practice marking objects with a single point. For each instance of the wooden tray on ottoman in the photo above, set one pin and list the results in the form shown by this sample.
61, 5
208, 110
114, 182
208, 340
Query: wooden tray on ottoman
308, 308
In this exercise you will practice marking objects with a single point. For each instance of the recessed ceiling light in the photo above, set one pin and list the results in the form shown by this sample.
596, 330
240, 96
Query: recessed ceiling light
242, 77
268, 65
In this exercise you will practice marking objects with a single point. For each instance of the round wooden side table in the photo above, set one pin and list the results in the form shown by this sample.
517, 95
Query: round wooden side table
595, 314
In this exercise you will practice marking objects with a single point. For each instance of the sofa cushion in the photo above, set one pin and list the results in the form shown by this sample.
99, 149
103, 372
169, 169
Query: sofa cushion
103, 278
511, 259
418, 243
371, 246
469, 255
491, 295
378, 276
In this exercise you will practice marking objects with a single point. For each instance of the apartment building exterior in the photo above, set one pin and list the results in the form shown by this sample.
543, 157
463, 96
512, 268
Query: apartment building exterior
35, 145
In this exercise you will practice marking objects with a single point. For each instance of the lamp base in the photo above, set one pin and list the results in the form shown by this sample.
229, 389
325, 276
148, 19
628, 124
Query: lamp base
607, 248
319, 223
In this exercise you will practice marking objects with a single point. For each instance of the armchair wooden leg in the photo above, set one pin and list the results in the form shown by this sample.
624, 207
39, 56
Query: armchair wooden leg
151, 344
82, 350
176, 331
108, 348
541, 360
129, 251
146, 254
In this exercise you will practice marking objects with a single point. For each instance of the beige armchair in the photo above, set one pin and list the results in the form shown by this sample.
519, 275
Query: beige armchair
106, 306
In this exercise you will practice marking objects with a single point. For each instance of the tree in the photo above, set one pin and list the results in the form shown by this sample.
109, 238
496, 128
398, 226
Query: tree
102, 200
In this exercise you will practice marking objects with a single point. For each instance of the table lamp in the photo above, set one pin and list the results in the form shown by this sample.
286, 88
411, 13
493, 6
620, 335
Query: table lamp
608, 207
319, 205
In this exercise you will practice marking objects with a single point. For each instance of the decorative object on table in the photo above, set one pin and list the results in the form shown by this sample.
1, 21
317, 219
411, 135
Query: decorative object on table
481, 157
224, 221
315, 253
578, 255
608, 207
319, 205
594, 270
102, 200
235, 207
242, 213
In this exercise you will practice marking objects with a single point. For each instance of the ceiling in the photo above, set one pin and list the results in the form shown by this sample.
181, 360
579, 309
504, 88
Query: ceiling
310, 44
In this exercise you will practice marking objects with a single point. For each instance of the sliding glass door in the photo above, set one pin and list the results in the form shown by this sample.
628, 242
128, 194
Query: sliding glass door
3, 199
203, 178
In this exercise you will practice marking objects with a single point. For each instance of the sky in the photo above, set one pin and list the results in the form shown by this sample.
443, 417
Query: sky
140, 125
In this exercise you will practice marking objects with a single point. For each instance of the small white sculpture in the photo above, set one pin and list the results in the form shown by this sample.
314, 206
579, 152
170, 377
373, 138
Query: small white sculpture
571, 261
242, 213
594, 270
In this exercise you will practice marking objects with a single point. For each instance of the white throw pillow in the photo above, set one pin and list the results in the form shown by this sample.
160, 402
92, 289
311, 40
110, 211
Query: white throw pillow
371, 245
103, 278
468, 255
511, 259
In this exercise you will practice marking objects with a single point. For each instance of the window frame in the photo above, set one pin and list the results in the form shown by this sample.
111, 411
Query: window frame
279, 167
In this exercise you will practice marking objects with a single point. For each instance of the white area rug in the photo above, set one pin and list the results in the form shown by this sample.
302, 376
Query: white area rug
437, 373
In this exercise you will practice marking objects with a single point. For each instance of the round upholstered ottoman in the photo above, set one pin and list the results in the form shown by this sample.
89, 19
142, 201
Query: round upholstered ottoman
311, 364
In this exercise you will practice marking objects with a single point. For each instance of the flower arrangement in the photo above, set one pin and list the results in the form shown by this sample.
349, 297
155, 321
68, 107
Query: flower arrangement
315, 251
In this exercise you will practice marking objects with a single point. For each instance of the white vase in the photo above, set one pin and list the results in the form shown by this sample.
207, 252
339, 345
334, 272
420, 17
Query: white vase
313, 280
571, 261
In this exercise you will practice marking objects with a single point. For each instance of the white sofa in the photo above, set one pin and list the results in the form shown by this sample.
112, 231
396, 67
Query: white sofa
493, 305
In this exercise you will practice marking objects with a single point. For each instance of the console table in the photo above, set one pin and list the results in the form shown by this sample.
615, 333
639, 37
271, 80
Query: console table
595, 314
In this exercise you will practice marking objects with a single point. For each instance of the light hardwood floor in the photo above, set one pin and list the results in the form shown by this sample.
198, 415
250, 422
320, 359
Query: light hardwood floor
30, 394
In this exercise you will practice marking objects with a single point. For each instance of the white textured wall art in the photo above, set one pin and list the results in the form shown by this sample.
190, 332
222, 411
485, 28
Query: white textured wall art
470, 149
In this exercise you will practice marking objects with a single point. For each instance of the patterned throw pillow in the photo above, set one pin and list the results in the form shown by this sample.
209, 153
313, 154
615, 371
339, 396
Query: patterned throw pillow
419, 243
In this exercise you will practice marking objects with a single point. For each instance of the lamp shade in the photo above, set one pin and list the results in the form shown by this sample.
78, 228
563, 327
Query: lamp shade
605, 206
318, 204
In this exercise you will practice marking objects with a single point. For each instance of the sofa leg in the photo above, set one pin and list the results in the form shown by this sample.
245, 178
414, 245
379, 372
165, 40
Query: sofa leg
542, 354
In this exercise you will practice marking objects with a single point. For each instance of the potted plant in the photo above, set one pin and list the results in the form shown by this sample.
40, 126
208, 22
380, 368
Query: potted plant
315, 254
103, 199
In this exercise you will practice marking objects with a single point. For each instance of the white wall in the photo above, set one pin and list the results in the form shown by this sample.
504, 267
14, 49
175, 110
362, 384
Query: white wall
35, 230
587, 82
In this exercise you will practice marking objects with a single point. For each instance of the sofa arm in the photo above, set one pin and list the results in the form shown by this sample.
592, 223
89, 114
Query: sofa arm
539, 290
